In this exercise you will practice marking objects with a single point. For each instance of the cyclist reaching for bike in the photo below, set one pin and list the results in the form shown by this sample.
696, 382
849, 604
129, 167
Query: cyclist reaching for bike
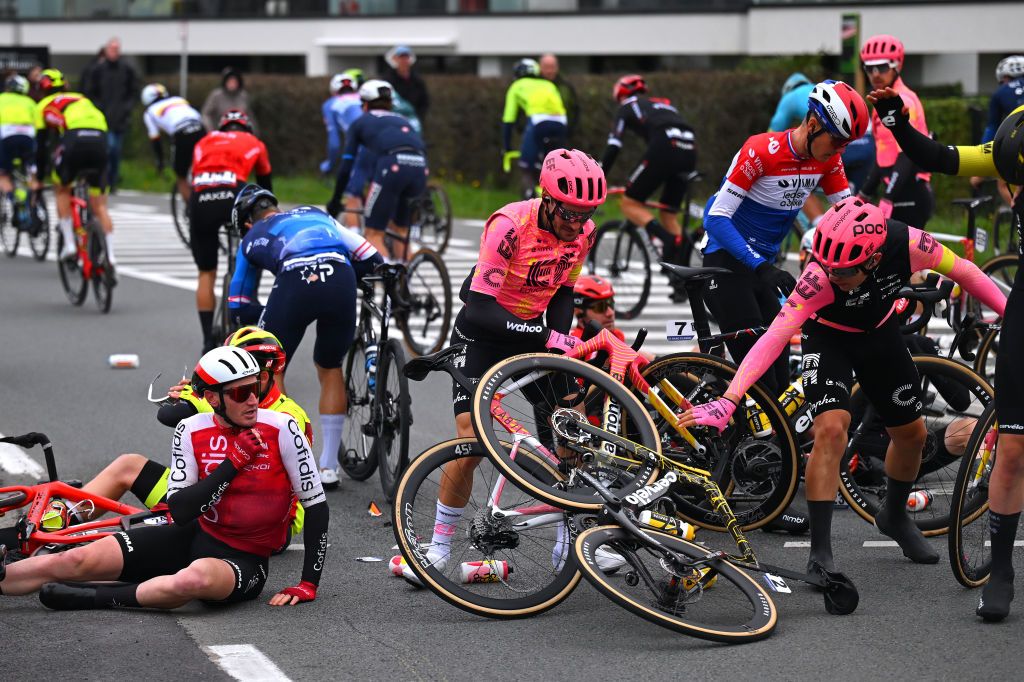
767, 183
221, 163
17, 133
844, 302
399, 173
234, 474
547, 126
80, 151
182, 123
594, 301
316, 262
671, 154
1002, 158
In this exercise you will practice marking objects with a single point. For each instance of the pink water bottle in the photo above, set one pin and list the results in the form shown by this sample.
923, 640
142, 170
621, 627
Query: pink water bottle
484, 571
919, 500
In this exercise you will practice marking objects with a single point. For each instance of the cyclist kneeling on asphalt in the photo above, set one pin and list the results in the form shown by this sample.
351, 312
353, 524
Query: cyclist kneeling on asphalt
234, 473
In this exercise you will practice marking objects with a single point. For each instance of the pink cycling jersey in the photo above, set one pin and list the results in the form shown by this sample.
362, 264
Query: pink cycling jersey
886, 147
521, 265
253, 512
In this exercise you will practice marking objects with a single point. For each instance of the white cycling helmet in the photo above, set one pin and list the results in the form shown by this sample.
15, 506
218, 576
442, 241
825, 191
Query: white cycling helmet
152, 93
341, 80
375, 89
222, 365
1010, 67
17, 83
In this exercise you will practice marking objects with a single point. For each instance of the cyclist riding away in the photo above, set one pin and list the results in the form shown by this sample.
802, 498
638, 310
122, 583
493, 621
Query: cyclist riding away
340, 111
670, 156
908, 192
399, 173
1002, 158
17, 134
221, 163
844, 302
234, 473
316, 262
182, 123
80, 151
546, 122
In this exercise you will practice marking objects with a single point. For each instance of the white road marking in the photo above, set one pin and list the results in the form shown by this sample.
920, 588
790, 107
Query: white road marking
1016, 543
245, 662
17, 462
791, 544
881, 543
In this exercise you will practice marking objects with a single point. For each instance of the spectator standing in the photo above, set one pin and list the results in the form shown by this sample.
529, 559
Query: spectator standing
549, 69
113, 87
405, 81
231, 95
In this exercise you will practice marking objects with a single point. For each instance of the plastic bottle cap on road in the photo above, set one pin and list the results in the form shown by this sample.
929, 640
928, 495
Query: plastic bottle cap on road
124, 361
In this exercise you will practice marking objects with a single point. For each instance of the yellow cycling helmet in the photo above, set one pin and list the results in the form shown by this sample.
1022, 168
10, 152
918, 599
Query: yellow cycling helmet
51, 79
263, 346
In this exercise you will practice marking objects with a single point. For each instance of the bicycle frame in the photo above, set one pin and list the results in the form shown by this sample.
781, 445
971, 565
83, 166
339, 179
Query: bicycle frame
82, 228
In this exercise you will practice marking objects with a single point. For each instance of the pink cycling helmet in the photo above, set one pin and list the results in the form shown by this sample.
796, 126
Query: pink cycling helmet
849, 233
883, 48
573, 177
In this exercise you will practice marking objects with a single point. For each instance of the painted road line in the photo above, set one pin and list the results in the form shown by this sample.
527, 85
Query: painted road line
245, 662
792, 544
880, 543
17, 462
1016, 543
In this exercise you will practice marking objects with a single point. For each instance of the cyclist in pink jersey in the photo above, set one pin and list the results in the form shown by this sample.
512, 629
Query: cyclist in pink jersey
907, 194
844, 301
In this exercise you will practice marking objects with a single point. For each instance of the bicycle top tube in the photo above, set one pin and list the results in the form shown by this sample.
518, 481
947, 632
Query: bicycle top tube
623, 360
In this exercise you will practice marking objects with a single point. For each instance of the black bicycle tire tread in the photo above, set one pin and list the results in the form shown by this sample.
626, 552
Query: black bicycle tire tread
954, 543
392, 352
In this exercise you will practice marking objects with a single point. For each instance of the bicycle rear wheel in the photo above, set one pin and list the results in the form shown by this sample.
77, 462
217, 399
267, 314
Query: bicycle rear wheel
423, 304
102, 278
620, 256
533, 541
39, 230
527, 390
72, 278
10, 235
356, 453
970, 556
434, 215
392, 417
179, 212
722, 604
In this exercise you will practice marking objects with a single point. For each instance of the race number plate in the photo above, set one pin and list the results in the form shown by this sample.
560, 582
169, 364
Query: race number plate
680, 330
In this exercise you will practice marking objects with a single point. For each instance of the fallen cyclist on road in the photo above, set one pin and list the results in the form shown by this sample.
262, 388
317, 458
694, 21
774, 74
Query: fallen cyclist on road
234, 472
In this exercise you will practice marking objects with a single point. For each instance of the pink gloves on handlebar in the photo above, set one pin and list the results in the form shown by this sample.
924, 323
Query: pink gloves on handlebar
561, 342
715, 413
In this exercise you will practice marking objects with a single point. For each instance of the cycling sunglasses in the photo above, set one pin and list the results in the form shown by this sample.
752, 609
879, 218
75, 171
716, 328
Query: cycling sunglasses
879, 68
843, 272
573, 216
243, 392
602, 305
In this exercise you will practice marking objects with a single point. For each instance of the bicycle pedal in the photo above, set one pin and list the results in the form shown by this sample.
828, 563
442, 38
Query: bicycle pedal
368, 430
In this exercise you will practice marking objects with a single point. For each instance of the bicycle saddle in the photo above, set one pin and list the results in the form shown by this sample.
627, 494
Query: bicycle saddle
418, 368
686, 273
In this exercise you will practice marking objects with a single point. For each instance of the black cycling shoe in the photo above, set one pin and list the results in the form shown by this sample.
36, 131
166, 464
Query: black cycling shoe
788, 522
69, 596
908, 536
996, 596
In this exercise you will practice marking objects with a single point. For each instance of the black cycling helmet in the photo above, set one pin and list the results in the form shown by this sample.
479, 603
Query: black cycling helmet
252, 198
1008, 147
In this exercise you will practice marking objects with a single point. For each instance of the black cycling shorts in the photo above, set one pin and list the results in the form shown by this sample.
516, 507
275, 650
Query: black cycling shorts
397, 180
1010, 365
149, 552
150, 486
82, 152
184, 142
321, 290
209, 209
665, 164
879, 359
915, 204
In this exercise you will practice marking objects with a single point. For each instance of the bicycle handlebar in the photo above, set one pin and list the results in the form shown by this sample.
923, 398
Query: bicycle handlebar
28, 440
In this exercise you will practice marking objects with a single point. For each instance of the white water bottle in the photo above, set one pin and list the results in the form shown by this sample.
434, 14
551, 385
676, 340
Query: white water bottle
484, 571
371, 366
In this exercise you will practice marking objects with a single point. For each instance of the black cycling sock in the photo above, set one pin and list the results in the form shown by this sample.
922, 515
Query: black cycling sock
117, 596
206, 324
820, 516
1003, 531
894, 521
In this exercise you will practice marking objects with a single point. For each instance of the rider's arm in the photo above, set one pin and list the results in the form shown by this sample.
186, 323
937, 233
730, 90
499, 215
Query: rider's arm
188, 497
242, 290
508, 117
901, 175
928, 154
364, 256
614, 146
746, 169
348, 157
333, 136
559, 312
172, 413
305, 479
926, 253
262, 169
154, 138
833, 181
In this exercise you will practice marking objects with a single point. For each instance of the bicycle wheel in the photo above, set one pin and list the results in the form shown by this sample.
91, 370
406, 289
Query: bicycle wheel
179, 212
39, 229
423, 304
392, 417
1002, 270
758, 472
526, 390
954, 400
985, 356
102, 279
10, 235
1003, 220
434, 215
533, 540
356, 453
970, 556
620, 256
723, 604
72, 278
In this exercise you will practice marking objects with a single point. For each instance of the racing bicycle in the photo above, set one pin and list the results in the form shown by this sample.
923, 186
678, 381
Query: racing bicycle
431, 219
27, 215
90, 265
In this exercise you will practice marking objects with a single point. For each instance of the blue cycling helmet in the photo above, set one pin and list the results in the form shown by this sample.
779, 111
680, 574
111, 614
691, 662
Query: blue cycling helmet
251, 198
793, 82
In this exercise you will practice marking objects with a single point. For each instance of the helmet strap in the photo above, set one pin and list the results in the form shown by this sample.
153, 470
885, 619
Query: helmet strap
222, 411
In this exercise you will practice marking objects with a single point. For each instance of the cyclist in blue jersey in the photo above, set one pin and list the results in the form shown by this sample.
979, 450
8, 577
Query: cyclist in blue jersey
792, 107
399, 174
316, 262
340, 111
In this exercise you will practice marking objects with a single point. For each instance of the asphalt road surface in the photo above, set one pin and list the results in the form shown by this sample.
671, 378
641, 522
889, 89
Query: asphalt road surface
912, 620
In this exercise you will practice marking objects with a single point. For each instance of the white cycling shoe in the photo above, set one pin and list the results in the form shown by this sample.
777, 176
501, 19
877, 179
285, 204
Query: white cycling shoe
329, 478
608, 561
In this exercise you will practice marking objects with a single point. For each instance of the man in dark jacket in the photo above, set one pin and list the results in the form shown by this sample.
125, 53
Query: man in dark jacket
549, 70
405, 82
113, 86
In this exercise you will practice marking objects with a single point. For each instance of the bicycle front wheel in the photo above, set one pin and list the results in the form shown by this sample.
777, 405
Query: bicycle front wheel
72, 277
620, 256
39, 230
423, 306
392, 417
179, 212
532, 540
102, 277
543, 400
970, 556
356, 453
682, 589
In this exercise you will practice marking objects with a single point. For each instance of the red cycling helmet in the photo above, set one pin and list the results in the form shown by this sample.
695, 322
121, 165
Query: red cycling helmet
235, 117
883, 48
849, 233
573, 177
591, 288
840, 109
627, 86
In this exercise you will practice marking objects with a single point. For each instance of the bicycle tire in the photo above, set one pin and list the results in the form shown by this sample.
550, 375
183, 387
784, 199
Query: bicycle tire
102, 286
423, 306
10, 235
625, 263
734, 591
636, 425
39, 233
435, 218
1002, 270
935, 475
1004, 219
985, 356
356, 454
766, 468
476, 599
393, 417
179, 213
72, 277
969, 557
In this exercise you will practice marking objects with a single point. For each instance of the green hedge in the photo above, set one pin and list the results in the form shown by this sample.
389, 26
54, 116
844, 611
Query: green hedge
464, 131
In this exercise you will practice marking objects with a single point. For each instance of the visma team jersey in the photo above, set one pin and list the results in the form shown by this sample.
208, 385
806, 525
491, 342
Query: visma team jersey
521, 265
170, 115
764, 189
252, 514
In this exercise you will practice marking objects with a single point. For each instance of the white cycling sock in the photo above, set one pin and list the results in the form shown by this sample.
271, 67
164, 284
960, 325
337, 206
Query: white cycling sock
331, 426
68, 232
109, 239
445, 521
560, 552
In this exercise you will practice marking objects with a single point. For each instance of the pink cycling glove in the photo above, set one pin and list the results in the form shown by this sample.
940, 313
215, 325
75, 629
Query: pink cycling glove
715, 413
561, 342
886, 207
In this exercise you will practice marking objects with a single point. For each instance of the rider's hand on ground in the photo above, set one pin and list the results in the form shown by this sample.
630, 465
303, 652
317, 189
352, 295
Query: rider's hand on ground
290, 596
